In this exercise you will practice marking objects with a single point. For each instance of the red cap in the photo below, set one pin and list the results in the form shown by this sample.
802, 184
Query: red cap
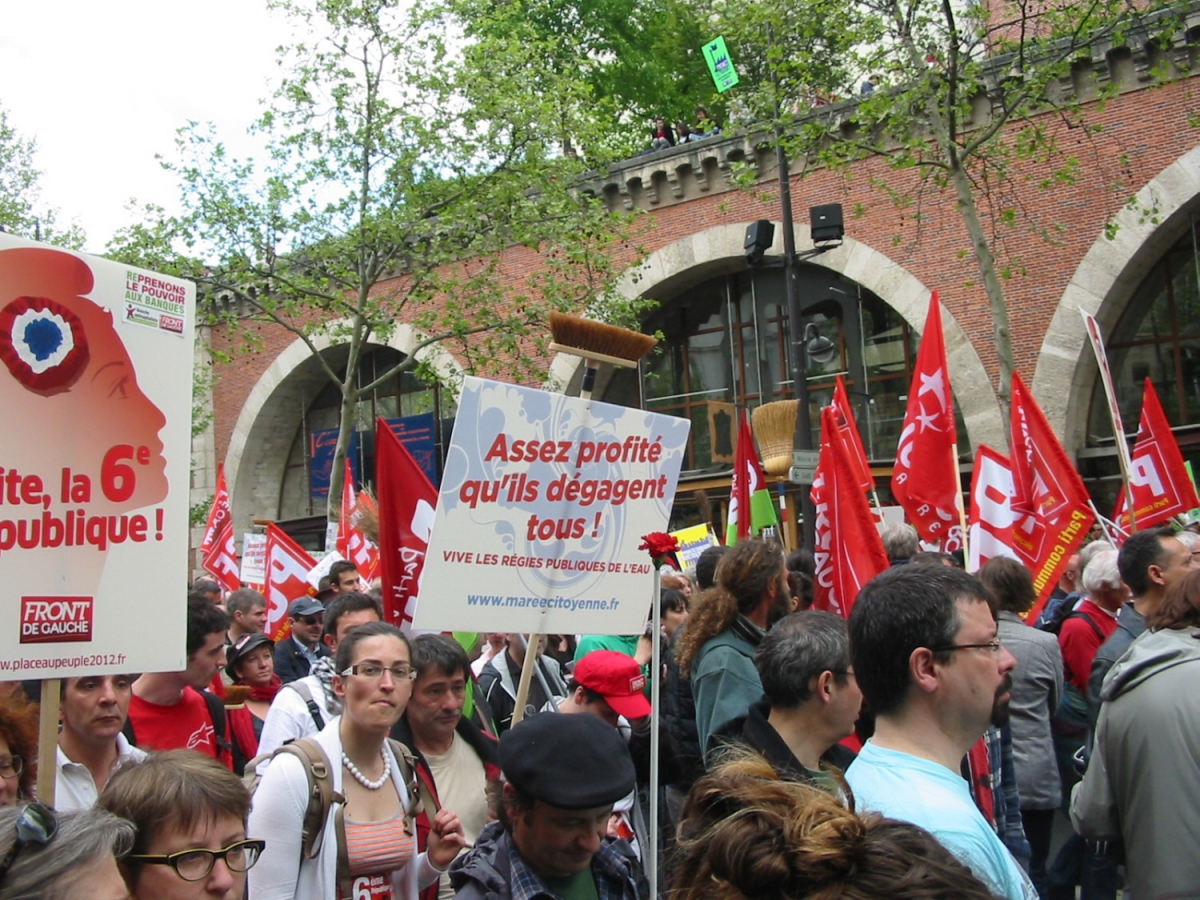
617, 678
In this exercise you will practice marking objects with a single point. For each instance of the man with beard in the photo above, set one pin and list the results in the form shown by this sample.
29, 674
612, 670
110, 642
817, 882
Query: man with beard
930, 666
716, 650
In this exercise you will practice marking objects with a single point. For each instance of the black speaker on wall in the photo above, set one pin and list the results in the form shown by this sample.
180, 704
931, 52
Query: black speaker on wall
826, 223
759, 237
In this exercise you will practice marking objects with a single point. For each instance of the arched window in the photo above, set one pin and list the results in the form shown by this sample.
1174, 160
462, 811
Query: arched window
727, 344
1157, 337
305, 480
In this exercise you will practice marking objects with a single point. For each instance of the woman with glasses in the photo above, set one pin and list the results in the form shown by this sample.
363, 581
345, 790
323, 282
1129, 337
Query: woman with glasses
190, 814
69, 856
368, 844
18, 748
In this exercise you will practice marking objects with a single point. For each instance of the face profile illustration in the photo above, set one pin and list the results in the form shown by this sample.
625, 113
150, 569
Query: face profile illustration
83, 426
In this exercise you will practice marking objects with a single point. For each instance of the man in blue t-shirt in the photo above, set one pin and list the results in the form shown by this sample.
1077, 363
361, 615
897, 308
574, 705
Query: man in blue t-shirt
927, 659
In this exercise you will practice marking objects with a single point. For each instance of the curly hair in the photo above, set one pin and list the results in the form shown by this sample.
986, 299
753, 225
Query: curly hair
747, 834
743, 576
19, 728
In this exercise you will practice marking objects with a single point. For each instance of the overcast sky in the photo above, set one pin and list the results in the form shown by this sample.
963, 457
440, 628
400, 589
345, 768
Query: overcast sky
103, 87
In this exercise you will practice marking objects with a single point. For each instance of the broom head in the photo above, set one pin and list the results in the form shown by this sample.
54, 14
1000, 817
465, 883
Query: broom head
598, 341
774, 427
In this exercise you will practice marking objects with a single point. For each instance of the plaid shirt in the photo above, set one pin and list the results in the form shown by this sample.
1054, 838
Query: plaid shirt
615, 874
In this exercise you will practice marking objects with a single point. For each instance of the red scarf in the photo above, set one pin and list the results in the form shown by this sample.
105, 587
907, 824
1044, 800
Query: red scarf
266, 693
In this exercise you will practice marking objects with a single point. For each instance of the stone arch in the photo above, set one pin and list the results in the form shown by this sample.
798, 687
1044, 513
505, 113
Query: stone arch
266, 426
1103, 284
718, 250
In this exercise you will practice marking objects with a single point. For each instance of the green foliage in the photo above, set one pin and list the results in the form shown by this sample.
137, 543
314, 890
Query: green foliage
408, 156
21, 212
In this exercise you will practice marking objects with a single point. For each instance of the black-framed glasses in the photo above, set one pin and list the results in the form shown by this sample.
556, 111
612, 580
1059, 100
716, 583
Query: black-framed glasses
994, 645
374, 671
35, 825
11, 766
194, 865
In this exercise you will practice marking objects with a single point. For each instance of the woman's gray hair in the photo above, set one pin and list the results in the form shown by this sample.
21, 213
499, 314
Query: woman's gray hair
1101, 573
84, 838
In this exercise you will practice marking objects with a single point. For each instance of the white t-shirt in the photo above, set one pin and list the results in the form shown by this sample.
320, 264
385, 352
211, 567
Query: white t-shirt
461, 783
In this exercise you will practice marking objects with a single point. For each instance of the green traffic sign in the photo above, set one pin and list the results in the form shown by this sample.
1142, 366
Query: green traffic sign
720, 66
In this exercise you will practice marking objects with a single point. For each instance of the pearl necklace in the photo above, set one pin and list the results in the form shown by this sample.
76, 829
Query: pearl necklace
362, 779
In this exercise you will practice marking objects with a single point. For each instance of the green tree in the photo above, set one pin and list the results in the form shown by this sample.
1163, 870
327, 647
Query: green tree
409, 161
970, 94
21, 211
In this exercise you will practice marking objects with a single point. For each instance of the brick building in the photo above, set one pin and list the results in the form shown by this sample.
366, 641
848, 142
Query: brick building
1133, 265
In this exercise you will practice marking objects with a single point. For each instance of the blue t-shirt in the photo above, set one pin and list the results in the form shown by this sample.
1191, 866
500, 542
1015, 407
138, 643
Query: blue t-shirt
905, 787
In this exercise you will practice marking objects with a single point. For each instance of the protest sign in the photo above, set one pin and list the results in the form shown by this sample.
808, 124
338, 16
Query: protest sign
254, 560
96, 387
543, 504
693, 541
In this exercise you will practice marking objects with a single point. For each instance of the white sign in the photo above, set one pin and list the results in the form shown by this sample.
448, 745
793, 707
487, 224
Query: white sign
543, 504
254, 559
96, 386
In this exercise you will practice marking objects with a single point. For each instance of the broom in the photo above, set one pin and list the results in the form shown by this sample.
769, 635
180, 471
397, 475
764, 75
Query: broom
597, 342
775, 429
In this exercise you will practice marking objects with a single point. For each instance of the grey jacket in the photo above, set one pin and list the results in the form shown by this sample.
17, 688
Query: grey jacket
1130, 625
1143, 780
1037, 687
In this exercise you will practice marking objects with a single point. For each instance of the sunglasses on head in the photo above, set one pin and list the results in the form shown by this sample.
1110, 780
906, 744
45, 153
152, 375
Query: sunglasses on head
35, 825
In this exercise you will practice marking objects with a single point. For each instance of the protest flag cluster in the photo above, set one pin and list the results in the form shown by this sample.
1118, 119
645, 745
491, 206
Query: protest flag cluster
352, 543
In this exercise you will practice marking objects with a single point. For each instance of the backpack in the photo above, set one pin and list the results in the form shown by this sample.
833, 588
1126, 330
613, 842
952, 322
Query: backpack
1054, 626
321, 795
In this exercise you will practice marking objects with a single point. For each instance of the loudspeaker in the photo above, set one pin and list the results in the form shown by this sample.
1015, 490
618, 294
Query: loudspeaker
759, 237
826, 223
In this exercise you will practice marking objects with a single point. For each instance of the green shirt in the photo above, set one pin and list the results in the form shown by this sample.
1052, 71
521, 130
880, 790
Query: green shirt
580, 886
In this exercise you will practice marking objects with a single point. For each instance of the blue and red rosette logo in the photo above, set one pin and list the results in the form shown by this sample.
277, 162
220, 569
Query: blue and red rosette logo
43, 344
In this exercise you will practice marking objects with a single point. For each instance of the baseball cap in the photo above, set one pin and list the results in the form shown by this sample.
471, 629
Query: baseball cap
305, 606
617, 678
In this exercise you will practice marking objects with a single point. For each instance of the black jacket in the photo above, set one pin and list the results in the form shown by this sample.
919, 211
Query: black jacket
290, 663
756, 732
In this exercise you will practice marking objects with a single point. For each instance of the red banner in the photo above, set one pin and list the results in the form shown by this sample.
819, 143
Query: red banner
1050, 503
288, 565
407, 501
991, 521
848, 549
352, 544
844, 414
218, 547
924, 480
1157, 477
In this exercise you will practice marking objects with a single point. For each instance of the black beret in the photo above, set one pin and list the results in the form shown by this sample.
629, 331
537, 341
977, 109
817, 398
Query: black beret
571, 761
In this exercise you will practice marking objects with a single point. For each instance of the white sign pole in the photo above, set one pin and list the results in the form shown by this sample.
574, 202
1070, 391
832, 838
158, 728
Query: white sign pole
655, 720
1114, 411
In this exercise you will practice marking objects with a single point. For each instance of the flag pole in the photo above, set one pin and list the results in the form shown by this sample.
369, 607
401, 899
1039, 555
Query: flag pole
958, 501
651, 852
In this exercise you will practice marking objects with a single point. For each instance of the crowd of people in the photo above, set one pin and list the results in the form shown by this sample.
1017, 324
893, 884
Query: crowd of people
922, 748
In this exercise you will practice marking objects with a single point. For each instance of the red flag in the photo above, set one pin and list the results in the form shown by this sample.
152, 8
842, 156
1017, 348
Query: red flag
924, 480
844, 413
1159, 481
407, 501
1050, 503
352, 544
750, 506
990, 524
848, 549
288, 565
218, 548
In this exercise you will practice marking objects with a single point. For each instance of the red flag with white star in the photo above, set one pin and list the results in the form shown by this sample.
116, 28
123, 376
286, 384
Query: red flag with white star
924, 480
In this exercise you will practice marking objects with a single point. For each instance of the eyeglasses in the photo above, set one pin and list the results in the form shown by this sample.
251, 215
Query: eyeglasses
11, 766
312, 620
194, 865
994, 645
35, 825
374, 671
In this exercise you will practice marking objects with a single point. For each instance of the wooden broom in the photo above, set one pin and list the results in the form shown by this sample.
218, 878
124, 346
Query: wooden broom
774, 427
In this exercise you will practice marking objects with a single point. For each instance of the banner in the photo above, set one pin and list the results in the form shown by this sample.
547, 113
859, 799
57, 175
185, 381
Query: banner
924, 480
748, 490
1158, 478
419, 437
543, 504
844, 416
287, 566
95, 458
991, 520
848, 550
406, 511
254, 561
352, 544
692, 542
1051, 505
322, 447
